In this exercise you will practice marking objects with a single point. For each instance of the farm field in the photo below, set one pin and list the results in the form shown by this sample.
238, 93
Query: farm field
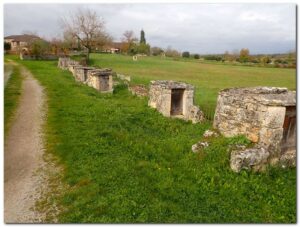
207, 78
125, 163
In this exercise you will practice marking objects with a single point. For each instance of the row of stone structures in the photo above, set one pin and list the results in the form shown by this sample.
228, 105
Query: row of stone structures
265, 115
100, 79
172, 99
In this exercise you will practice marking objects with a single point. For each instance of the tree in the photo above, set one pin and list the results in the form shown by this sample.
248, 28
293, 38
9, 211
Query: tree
127, 41
244, 55
156, 51
227, 56
172, 53
292, 57
186, 54
133, 49
142, 39
7, 46
39, 47
144, 48
87, 28
265, 60
196, 56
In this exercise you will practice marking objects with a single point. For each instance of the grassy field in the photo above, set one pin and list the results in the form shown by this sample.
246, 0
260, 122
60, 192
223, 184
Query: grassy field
208, 79
126, 163
12, 93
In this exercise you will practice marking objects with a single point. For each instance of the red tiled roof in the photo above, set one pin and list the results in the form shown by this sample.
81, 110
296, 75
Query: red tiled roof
22, 38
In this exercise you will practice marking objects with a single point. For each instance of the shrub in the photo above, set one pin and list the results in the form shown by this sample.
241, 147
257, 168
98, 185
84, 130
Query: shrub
213, 58
196, 56
172, 53
143, 48
39, 48
7, 46
156, 51
186, 54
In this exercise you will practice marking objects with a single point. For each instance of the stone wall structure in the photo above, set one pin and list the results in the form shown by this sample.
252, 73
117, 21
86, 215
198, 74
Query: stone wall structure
71, 66
63, 62
174, 99
100, 79
139, 90
81, 73
265, 115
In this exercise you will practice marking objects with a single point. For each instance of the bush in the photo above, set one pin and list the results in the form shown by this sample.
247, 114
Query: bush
7, 46
196, 56
172, 53
255, 60
39, 48
213, 58
155, 51
143, 48
186, 54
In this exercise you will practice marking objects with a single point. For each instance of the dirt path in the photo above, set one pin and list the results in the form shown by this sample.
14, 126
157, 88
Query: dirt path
23, 155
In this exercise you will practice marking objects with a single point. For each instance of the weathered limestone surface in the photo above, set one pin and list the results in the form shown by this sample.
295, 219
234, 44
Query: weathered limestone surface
71, 66
209, 133
63, 62
100, 79
251, 158
81, 73
259, 113
199, 146
161, 93
288, 159
123, 77
139, 90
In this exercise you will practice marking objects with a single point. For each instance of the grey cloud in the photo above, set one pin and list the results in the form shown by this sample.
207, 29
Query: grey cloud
198, 28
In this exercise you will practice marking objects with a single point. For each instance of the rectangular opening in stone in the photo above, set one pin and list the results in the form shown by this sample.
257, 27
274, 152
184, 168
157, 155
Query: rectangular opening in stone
289, 130
104, 83
177, 101
85, 72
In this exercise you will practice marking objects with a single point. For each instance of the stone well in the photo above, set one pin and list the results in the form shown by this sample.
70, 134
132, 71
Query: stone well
100, 79
265, 115
174, 99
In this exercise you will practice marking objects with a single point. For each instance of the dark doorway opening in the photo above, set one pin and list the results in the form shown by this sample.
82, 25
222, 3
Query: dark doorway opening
104, 83
177, 101
289, 130
85, 72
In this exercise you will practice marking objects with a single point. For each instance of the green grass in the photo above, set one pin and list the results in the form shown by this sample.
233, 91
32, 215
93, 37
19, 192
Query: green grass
12, 93
207, 78
126, 163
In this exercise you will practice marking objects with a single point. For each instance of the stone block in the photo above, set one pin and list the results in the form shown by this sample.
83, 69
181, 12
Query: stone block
251, 159
274, 117
174, 99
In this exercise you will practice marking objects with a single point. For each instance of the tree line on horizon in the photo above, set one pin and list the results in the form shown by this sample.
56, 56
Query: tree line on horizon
85, 30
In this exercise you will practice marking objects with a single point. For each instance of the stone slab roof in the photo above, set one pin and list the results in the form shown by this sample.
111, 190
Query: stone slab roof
270, 96
22, 38
101, 72
170, 84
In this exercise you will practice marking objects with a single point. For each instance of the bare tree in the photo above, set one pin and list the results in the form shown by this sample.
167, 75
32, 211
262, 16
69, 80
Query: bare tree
87, 27
127, 40
129, 37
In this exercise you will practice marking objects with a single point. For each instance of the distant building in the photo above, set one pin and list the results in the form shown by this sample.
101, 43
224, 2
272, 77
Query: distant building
114, 47
20, 43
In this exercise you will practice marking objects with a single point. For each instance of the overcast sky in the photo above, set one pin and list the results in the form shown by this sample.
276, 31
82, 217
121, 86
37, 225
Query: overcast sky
195, 27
